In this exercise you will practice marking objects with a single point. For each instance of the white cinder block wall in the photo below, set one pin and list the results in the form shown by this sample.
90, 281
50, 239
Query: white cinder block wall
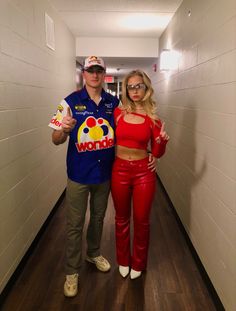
198, 103
33, 79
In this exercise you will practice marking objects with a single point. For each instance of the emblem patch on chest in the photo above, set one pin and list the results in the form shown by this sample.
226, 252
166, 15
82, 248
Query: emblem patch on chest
80, 107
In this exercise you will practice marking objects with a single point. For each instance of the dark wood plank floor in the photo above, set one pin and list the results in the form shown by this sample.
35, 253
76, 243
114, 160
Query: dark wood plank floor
172, 281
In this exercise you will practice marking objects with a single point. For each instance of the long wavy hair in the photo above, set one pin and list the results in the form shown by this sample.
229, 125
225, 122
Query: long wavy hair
148, 103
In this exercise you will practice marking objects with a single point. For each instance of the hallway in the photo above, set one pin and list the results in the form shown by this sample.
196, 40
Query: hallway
171, 283
42, 47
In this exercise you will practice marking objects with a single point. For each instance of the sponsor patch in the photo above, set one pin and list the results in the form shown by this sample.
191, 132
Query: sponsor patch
108, 105
80, 107
60, 108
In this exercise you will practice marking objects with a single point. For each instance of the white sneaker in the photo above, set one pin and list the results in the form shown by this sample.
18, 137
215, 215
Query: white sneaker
101, 263
135, 274
124, 271
71, 285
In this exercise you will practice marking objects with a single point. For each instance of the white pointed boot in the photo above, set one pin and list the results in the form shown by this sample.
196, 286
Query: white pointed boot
124, 271
135, 274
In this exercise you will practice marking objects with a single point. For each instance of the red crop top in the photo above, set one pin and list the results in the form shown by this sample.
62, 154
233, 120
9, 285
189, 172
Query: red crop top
137, 136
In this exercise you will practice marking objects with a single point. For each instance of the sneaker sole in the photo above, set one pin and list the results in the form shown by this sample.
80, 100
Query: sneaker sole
70, 295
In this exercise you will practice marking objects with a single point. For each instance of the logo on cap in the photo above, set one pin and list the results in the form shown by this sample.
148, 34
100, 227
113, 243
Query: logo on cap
93, 61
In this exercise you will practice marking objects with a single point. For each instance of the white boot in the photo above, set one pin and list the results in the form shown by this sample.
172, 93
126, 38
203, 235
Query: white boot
135, 274
124, 271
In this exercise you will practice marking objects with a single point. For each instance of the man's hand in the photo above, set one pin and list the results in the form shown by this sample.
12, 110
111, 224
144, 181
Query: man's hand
152, 162
68, 123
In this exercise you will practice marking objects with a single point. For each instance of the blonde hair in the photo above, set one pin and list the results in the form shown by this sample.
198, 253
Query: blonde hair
149, 104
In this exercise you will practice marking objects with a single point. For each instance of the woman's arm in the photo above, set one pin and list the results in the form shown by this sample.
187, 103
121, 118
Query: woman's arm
159, 139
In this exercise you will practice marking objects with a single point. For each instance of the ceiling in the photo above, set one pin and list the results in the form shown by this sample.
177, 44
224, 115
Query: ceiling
117, 18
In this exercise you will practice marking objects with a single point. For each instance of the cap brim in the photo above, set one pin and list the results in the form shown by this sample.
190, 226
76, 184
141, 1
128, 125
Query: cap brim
86, 68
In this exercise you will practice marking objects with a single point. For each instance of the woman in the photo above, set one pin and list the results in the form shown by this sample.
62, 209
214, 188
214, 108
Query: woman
133, 183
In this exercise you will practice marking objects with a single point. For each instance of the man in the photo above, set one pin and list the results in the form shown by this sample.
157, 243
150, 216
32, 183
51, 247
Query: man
86, 116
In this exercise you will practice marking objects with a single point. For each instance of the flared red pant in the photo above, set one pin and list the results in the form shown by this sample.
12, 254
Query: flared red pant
132, 186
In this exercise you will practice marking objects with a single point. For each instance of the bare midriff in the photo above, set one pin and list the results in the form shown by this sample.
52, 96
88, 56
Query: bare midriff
130, 154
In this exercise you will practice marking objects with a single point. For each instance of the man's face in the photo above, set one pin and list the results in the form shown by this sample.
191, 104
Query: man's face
94, 76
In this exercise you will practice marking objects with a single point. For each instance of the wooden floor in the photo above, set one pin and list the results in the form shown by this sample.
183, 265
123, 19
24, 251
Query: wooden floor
172, 281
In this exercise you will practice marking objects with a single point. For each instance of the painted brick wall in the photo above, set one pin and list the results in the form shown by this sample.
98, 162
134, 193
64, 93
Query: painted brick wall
198, 103
33, 79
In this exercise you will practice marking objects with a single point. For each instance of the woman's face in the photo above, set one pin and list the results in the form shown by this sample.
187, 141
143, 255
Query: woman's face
136, 88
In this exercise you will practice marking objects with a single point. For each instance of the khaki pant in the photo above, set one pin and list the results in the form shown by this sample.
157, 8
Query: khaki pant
77, 201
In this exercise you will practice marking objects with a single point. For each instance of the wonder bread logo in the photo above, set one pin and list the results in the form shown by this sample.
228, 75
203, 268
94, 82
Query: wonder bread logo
95, 134
56, 120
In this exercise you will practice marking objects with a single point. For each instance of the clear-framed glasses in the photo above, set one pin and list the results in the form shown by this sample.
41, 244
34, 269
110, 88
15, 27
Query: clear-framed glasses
131, 87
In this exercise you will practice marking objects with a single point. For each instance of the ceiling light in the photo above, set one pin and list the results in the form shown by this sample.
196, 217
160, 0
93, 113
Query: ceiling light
145, 21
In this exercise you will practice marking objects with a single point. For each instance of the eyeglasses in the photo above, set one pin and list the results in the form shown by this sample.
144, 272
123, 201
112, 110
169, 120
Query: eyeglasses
131, 87
95, 70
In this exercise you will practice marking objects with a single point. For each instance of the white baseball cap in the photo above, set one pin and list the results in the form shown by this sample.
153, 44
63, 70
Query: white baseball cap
94, 61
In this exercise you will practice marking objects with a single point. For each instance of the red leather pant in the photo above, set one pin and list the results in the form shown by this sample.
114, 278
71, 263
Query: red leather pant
133, 184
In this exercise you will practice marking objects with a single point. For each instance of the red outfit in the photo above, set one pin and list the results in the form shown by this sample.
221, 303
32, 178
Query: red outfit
132, 180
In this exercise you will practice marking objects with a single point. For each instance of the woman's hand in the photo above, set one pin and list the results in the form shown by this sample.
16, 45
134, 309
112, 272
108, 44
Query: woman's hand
152, 162
163, 135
